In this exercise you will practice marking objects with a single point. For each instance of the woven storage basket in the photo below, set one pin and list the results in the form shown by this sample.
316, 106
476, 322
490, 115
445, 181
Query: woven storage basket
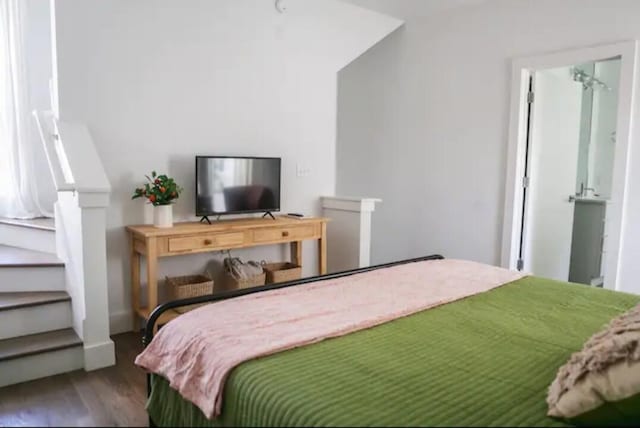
282, 272
183, 287
252, 281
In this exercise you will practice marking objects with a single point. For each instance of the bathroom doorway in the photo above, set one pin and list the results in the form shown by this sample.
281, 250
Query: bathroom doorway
570, 148
569, 138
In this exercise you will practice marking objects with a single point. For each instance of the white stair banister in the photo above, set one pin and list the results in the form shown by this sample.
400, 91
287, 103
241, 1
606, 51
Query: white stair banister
348, 232
83, 196
56, 158
83, 160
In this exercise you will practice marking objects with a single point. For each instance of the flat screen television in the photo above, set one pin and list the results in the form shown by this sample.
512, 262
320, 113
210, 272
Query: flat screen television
236, 185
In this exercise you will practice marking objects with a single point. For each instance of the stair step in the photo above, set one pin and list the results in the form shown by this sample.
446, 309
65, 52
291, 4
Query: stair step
46, 362
42, 223
19, 257
38, 236
23, 270
25, 313
34, 344
9, 301
40, 278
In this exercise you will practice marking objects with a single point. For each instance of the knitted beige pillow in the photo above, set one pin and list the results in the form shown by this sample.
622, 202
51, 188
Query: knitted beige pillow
606, 370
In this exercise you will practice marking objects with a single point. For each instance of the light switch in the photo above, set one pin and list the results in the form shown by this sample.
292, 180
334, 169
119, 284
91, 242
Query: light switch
302, 170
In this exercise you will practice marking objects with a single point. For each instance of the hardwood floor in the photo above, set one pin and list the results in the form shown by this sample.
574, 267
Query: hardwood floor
114, 396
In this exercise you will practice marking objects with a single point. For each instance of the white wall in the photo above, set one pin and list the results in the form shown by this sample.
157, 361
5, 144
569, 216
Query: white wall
423, 121
158, 82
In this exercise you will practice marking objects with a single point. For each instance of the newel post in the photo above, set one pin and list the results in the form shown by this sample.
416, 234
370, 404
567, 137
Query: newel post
99, 350
349, 232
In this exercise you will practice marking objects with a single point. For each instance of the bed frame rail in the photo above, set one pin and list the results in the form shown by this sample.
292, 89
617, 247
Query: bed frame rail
210, 298
155, 315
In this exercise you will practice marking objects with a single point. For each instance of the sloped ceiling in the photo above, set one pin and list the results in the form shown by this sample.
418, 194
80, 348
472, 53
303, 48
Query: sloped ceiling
333, 32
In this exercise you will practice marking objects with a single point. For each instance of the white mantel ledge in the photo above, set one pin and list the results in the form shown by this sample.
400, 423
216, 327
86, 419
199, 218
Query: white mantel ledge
350, 203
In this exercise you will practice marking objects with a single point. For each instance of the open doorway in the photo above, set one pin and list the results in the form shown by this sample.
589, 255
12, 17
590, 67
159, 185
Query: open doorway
569, 136
569, 169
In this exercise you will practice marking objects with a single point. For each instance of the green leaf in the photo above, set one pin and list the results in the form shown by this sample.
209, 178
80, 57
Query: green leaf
153, 186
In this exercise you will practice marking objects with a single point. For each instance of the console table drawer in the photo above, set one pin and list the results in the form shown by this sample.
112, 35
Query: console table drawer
284, 234
198, 242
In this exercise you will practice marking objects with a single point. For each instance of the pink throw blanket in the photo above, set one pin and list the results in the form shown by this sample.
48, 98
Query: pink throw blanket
198, 350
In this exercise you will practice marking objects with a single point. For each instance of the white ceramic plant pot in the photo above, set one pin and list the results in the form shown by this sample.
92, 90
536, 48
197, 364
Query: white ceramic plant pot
163, 216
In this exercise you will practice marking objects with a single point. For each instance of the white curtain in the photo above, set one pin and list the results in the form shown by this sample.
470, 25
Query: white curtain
19, 193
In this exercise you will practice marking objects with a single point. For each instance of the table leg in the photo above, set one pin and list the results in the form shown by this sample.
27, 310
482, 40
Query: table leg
296, 253
135, 284
152, 274
322, 250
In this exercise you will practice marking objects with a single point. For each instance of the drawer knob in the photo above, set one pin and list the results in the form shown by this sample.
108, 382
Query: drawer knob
208, 242
285, 233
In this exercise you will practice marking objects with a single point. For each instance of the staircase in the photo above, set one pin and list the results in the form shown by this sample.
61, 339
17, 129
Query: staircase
36, 334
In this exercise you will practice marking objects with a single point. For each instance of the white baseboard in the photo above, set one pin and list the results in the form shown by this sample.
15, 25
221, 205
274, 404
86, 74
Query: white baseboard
120, 322
99, 355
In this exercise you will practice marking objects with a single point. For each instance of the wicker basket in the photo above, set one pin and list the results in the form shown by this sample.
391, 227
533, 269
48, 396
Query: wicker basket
282, 272
183, 287
252, 281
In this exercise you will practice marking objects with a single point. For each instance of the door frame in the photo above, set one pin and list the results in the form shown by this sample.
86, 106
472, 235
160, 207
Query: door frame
521, 69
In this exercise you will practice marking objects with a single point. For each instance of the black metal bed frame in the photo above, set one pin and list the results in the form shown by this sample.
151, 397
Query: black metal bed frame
158, 311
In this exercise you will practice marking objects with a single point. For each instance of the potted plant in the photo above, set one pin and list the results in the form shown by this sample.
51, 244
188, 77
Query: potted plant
161, 191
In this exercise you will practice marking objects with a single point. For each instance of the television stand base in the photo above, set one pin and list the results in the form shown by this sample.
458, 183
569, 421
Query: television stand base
268, 213
205, 218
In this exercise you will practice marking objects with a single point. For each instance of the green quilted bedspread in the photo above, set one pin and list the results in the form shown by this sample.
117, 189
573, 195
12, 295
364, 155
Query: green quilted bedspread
486, 360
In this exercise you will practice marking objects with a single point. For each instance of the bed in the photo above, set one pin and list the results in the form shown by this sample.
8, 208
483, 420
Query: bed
485, 360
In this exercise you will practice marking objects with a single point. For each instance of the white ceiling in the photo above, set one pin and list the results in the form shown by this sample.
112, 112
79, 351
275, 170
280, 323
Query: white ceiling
406, 9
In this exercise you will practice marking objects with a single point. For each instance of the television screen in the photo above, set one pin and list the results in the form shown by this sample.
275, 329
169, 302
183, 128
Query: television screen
232, 185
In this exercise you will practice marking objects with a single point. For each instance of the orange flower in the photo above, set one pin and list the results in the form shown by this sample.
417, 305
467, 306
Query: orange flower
162, 189
152, 198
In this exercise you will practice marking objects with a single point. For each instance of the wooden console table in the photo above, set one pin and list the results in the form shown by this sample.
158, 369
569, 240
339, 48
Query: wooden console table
194, 237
